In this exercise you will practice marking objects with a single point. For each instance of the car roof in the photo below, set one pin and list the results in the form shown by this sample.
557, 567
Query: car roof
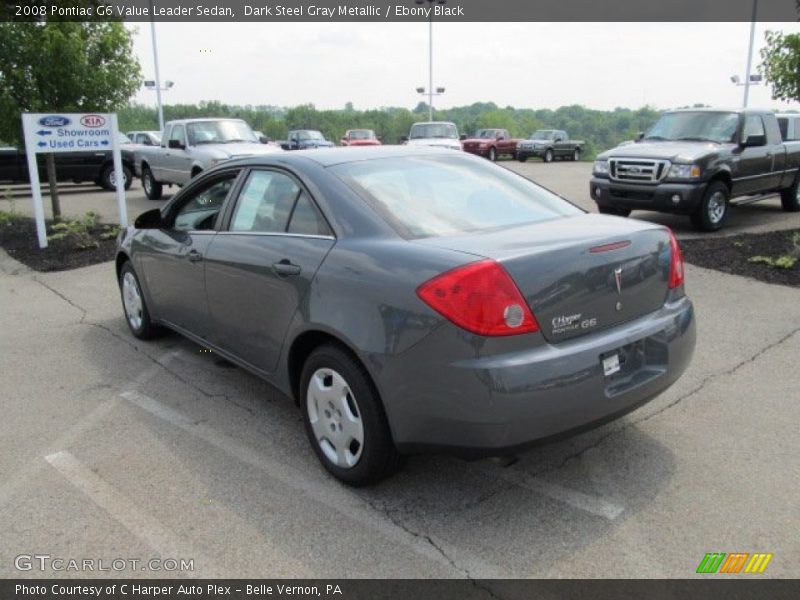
205, 119
749, 111
327, 157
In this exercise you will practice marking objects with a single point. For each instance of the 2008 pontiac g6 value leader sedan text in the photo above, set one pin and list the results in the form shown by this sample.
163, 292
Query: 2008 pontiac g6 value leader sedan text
413, 299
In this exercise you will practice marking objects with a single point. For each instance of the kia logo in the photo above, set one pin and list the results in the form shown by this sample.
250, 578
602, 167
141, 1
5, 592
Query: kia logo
92, 121
54, 121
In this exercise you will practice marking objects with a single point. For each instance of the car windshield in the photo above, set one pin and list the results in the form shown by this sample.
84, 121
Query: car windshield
486, 133
219, 132
543, 134
361, 134
701, 126
310, 135
429, 196
433, 130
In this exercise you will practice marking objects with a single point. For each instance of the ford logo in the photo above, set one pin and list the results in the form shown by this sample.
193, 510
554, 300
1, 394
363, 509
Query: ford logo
54, 121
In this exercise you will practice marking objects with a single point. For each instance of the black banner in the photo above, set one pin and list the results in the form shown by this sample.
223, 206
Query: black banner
735, 588
403, 10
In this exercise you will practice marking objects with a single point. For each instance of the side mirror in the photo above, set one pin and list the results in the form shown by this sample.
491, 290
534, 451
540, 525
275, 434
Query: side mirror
150, 219
755, 140
639, 136
404, 138
175, 145
501, 137
264, 139
462, 137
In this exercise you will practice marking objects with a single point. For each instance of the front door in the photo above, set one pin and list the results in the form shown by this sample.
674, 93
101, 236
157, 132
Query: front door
172, 260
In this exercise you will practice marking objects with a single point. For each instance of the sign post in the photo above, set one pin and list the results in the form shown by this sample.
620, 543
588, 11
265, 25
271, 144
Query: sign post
70, 132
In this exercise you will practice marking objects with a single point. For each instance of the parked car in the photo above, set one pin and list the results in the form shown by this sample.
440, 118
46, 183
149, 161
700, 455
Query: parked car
434, 133
145, 138
550, 144
491, 143
360, 137
694, 161
190, 146
77, 167
303, 139
428, 323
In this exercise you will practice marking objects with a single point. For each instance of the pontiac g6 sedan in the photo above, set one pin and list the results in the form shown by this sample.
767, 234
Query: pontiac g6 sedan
413, 300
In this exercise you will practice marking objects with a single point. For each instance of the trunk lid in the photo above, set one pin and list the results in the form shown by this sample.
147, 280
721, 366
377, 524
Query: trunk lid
579, 274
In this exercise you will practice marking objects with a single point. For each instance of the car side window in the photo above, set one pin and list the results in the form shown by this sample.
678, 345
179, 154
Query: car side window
199, 212
265, 203
177, 134
306, 219
753, 125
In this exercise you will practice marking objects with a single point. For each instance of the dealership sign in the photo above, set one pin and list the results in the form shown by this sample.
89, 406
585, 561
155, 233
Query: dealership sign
46, 133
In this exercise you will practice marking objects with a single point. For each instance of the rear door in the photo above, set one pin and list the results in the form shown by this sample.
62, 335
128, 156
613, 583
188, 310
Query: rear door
259, 269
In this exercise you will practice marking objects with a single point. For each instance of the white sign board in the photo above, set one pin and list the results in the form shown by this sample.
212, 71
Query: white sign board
70, 132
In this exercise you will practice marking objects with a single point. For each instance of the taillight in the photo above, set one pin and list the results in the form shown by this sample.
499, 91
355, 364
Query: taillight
675, 263
482, 298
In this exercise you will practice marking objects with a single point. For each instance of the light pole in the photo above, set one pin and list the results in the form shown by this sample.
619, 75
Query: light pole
439, 91
749, 78
157, 83
153, 85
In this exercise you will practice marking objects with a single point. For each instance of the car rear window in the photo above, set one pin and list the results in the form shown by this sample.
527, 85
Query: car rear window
429, 196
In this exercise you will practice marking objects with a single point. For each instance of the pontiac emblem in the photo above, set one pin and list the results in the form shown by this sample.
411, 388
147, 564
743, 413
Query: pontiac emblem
618, 279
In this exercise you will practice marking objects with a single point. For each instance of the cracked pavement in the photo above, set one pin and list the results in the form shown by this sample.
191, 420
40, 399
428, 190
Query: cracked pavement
221, 463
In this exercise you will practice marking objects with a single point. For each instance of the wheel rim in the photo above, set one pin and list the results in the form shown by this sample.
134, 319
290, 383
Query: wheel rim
548, 156
576, 155
492, 155
716, 207
147, 183
335, 418
132, 299
797, 194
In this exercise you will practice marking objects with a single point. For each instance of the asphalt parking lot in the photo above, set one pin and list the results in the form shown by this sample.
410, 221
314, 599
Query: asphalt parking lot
113, 448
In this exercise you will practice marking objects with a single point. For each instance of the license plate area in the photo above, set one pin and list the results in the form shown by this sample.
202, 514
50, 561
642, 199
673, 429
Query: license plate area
634, 364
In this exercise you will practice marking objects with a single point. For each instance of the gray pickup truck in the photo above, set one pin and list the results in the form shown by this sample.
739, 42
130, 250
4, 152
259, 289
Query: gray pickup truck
190, 146
549, 144
694, 161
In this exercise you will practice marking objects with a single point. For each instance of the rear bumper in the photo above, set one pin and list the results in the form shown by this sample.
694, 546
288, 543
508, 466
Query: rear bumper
501, 403
680, 198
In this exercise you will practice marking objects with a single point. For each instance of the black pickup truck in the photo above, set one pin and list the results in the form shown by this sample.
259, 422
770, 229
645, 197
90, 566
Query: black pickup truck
694, 161
97, 167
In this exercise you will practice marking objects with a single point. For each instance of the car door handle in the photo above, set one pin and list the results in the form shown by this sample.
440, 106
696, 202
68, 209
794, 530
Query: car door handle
194, 256
285, 268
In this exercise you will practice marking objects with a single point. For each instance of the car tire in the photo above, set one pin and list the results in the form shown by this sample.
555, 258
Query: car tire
790, 197
548, 156
576, 155
134, 305
152, 189
712, 212
522, 157
108, 181
344, 418
613, 210
492, 155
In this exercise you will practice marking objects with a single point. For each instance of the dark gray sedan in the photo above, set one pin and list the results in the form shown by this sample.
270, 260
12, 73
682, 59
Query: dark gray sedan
413, 300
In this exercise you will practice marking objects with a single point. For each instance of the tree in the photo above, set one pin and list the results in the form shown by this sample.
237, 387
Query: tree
59, 66
781, 65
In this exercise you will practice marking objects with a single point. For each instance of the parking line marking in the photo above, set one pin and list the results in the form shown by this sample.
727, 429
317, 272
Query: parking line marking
585, 502
140, 524
347, 504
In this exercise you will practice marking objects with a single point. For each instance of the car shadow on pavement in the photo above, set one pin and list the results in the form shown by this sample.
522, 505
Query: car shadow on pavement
489, 518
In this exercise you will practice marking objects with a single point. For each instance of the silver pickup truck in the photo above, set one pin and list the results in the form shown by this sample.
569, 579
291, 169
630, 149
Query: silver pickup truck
190, 146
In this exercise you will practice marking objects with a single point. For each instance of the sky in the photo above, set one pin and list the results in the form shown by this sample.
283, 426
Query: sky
525, 65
